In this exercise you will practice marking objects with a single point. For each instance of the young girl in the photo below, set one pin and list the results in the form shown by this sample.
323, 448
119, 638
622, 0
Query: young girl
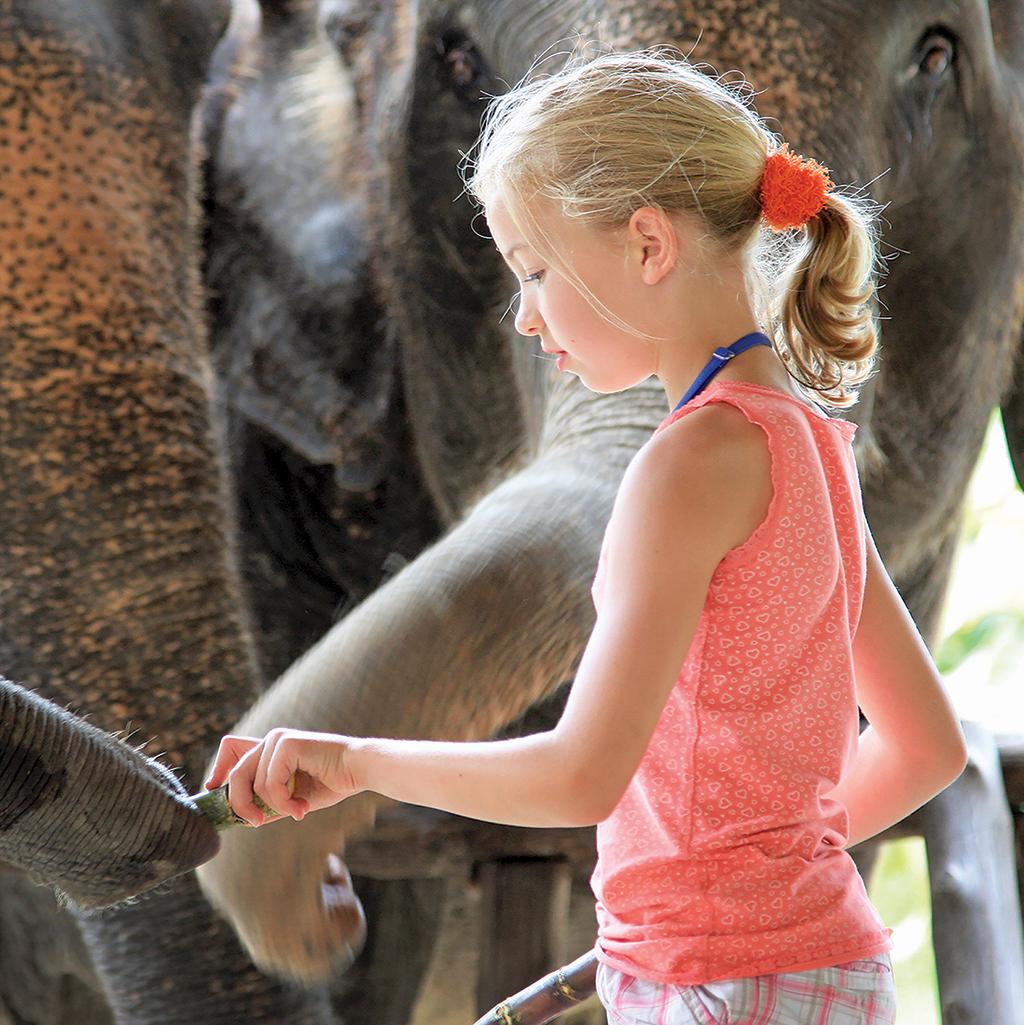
743, 611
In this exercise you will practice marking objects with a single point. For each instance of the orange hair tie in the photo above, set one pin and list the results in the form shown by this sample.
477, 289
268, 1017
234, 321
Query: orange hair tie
793, 189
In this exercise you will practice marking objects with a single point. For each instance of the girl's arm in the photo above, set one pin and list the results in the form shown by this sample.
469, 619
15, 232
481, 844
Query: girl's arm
914, 747
689, 495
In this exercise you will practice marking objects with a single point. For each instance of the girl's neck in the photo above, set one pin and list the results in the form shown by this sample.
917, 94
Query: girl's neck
718, 313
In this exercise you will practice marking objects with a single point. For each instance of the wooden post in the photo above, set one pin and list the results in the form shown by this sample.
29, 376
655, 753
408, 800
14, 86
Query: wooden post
525, 903
1011, 757
976, 910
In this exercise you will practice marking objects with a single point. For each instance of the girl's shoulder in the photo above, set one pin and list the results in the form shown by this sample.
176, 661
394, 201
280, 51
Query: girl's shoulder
718, 432
713, 457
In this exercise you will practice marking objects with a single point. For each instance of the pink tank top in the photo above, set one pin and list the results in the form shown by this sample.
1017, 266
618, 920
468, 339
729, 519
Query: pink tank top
722, 859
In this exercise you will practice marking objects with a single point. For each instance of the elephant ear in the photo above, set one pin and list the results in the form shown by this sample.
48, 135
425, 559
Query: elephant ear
1012, 409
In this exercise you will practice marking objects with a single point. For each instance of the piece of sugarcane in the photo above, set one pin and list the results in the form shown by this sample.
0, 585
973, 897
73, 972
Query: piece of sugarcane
215, 806
549, 997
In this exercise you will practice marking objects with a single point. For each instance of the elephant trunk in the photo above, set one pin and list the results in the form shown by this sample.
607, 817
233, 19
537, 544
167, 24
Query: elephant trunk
88, 814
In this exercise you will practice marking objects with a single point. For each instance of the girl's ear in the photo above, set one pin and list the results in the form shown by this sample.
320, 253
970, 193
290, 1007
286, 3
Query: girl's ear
653, 240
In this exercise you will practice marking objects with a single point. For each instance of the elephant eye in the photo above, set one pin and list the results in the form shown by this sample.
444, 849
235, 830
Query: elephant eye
462, 63
937, 53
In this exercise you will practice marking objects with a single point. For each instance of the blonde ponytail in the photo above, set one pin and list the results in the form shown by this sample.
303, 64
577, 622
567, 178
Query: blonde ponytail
826, 329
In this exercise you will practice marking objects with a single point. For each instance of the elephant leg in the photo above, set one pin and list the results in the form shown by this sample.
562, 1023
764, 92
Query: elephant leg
403, 919
46, 974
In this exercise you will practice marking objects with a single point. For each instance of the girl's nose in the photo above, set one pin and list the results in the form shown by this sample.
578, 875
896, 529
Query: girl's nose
527, 320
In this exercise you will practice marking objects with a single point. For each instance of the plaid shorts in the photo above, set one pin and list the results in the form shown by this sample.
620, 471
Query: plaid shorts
861, 992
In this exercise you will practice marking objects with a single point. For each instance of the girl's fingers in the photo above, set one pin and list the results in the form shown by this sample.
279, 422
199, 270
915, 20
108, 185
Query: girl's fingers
285, 770
240, 787
263, 779
257, 776
278, 786
231, 749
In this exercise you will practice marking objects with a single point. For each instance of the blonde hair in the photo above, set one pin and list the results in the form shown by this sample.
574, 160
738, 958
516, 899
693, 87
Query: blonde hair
606, 135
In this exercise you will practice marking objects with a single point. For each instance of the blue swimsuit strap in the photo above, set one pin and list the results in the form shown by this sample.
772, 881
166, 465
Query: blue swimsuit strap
719, 358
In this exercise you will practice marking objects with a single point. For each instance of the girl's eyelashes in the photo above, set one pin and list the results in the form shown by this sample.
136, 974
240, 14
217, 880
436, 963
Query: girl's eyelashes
535, 276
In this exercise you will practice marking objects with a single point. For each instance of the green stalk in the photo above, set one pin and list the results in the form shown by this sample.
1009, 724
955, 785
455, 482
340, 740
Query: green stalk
214, 805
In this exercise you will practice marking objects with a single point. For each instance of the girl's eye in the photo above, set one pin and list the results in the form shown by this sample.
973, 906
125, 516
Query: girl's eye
535, 276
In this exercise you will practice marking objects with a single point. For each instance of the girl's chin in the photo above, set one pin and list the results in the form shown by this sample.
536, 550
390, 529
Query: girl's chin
606, 387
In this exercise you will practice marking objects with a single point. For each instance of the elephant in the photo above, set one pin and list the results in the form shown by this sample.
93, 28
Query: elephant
269, 450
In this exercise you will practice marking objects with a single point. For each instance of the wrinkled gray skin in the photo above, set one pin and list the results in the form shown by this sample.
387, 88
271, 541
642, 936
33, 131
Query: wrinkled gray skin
379, 409
921, 101
86, 813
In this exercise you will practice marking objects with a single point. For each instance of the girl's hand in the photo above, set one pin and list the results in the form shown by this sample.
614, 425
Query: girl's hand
292, 771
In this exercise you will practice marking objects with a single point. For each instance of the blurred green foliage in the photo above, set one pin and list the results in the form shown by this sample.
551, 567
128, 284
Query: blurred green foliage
989, 629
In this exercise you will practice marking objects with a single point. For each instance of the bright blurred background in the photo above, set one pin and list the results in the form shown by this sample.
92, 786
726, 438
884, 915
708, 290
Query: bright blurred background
981, 655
